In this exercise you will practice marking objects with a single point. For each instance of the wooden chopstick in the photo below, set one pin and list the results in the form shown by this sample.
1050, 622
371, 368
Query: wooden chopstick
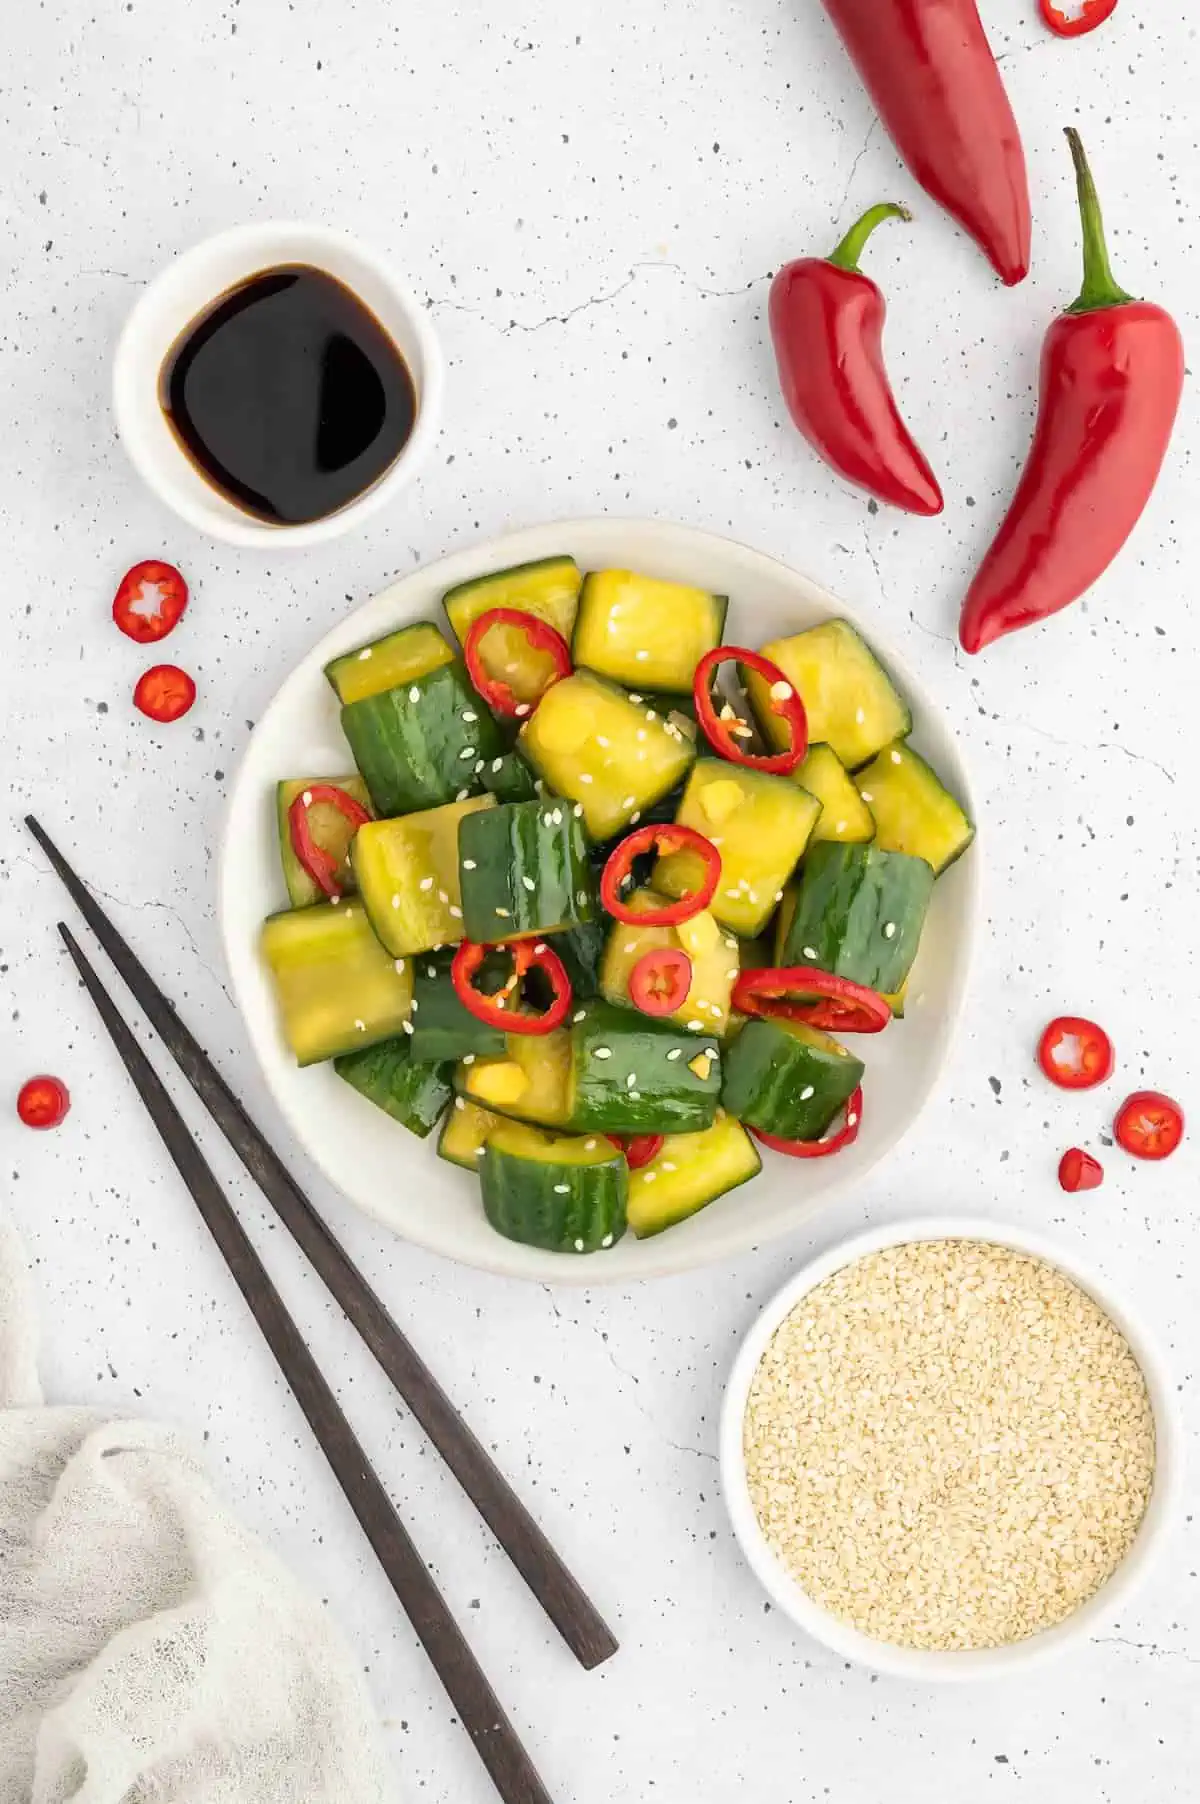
496, 1741
559, 1593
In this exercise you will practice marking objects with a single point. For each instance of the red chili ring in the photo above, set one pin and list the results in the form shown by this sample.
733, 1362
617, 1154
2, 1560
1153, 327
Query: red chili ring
542, 637
43, 1102
1096, 1058
665, 838
172, 600
164, 693
1078, 1170
669, 965
320, 864
720, 733
1149, 1125
639, 1149
1094, 13
527, 955
818, 1149
848, 1008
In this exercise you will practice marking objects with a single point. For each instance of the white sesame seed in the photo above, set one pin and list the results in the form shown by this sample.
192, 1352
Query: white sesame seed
841, 826
468, 1058
468, 751
581, 1016
734, 973
522, 708
631, 1081
859, 716
866, 795
629, 801
651, 715
635, 817
479, 766
635, 1096
395, 901
399, 964
602, 1052
676, 1052
479, 1151
752, 895
462, 795
630, 946
648, 1176
669, 1165
641, 656
581, 896
443, 896
335, 900
530, 885
694, 1027
562, 1190
414, 694
781, 692
807, 1094
364, 654
641, 733
896, 758
636, 700
306, 798
889, 930
601, 740
607, 1241
852, 1121
589, 1146
540, 948
408, 1027
810, 951
557, 817
362, 1026
431, 970
504, 914
578, 811
415, 1005
584, 777
469, 864
497, 764
733, 894
469, 717
779, 895
456, 913
426, 883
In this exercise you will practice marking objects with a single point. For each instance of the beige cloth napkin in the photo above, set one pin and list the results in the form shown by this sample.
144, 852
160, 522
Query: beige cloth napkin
151, 1650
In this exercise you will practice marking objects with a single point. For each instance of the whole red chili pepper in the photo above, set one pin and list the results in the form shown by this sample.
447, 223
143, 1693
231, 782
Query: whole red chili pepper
827, 329
1111, 380
928, 68
1094, 13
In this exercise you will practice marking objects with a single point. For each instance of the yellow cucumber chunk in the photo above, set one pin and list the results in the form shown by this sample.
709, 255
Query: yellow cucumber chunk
528, 1080
401, 657
690, 1171
609, 755
466, 1133
913, 811
407, 871
760, 833
713, 952
336, 988
646, 633
330, 829
849, 698
548, 589
844, 814
537, 1148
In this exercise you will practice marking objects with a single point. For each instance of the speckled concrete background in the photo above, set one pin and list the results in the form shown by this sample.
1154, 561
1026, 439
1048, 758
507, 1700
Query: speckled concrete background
591, 198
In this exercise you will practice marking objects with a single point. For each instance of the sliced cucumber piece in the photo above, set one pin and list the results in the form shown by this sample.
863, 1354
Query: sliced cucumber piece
859, 913
609, 755
336, 987
465, 1134
509, 778
407, 873
563, 1192
844, 815
788, 1078
759, 824
529, 1081
424, 743
913, 811
711, 948
524, 869
412, 1093
850, 700
401, 657
582, 952
632, 1075
548, 589
646, 633
331, 832
443, 1027
690, 1171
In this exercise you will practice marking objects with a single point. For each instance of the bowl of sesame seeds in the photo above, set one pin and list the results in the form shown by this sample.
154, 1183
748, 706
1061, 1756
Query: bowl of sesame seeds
948, 1450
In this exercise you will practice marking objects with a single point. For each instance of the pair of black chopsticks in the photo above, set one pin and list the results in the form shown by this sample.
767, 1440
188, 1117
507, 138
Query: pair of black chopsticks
586, 1634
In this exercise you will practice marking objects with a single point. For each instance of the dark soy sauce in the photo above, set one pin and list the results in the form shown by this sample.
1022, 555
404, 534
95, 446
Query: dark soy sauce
288, 395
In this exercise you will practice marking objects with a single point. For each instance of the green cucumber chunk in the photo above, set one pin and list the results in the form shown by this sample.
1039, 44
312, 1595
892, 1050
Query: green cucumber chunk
712, 950
443, 1027
645, 633
759, 824
582, 952
633, 1075
524, 869
528, 1081
401, 657
424, 743
564, 1192
509, 778
407, 872
465, 1134
330, 830
690, 1171
913, 810
844, 814
548, 589
611, 756
851, 702
336, 988
412, 1092
788, 1078
859, 913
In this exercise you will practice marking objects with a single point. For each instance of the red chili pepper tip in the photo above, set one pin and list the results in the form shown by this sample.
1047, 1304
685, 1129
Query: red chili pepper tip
1149, 1125
663, 838
723, 734
541, 636
164, 693
150, 600
1075, 1053
839, 1006
43, 1102
1078, 1170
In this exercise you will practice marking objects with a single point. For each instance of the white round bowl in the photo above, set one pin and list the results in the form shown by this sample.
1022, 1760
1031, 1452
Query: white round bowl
400, 1180
190, 285
922, 1663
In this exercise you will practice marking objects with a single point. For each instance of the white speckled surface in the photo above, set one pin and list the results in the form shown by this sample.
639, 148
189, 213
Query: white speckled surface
591, 198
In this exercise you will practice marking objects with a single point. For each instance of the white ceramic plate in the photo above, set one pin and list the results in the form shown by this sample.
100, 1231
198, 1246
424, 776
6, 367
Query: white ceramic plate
399, 1179
924, 1663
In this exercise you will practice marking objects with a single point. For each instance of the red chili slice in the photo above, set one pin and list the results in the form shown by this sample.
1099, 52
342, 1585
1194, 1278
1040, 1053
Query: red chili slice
660, 981
321, 866
542, 637
164, 692
43, 1102
527, 955
1093, 13
150, 601
663, 838
640, 1149
819, 1149
723, 730
1149, 1125
1078, 1170
1075, 1053
839, 1006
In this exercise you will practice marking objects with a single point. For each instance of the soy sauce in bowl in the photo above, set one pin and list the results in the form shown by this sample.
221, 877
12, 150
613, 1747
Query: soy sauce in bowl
288, 395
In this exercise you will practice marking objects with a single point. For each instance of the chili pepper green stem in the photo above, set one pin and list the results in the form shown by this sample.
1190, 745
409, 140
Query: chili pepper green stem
849, 251
1099, 286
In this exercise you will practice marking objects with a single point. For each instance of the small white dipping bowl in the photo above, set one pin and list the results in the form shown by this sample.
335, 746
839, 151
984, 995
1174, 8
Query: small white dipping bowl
188, 287
922, 1663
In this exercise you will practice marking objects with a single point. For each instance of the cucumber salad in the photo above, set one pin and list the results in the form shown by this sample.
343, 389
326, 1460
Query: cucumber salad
606, 903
